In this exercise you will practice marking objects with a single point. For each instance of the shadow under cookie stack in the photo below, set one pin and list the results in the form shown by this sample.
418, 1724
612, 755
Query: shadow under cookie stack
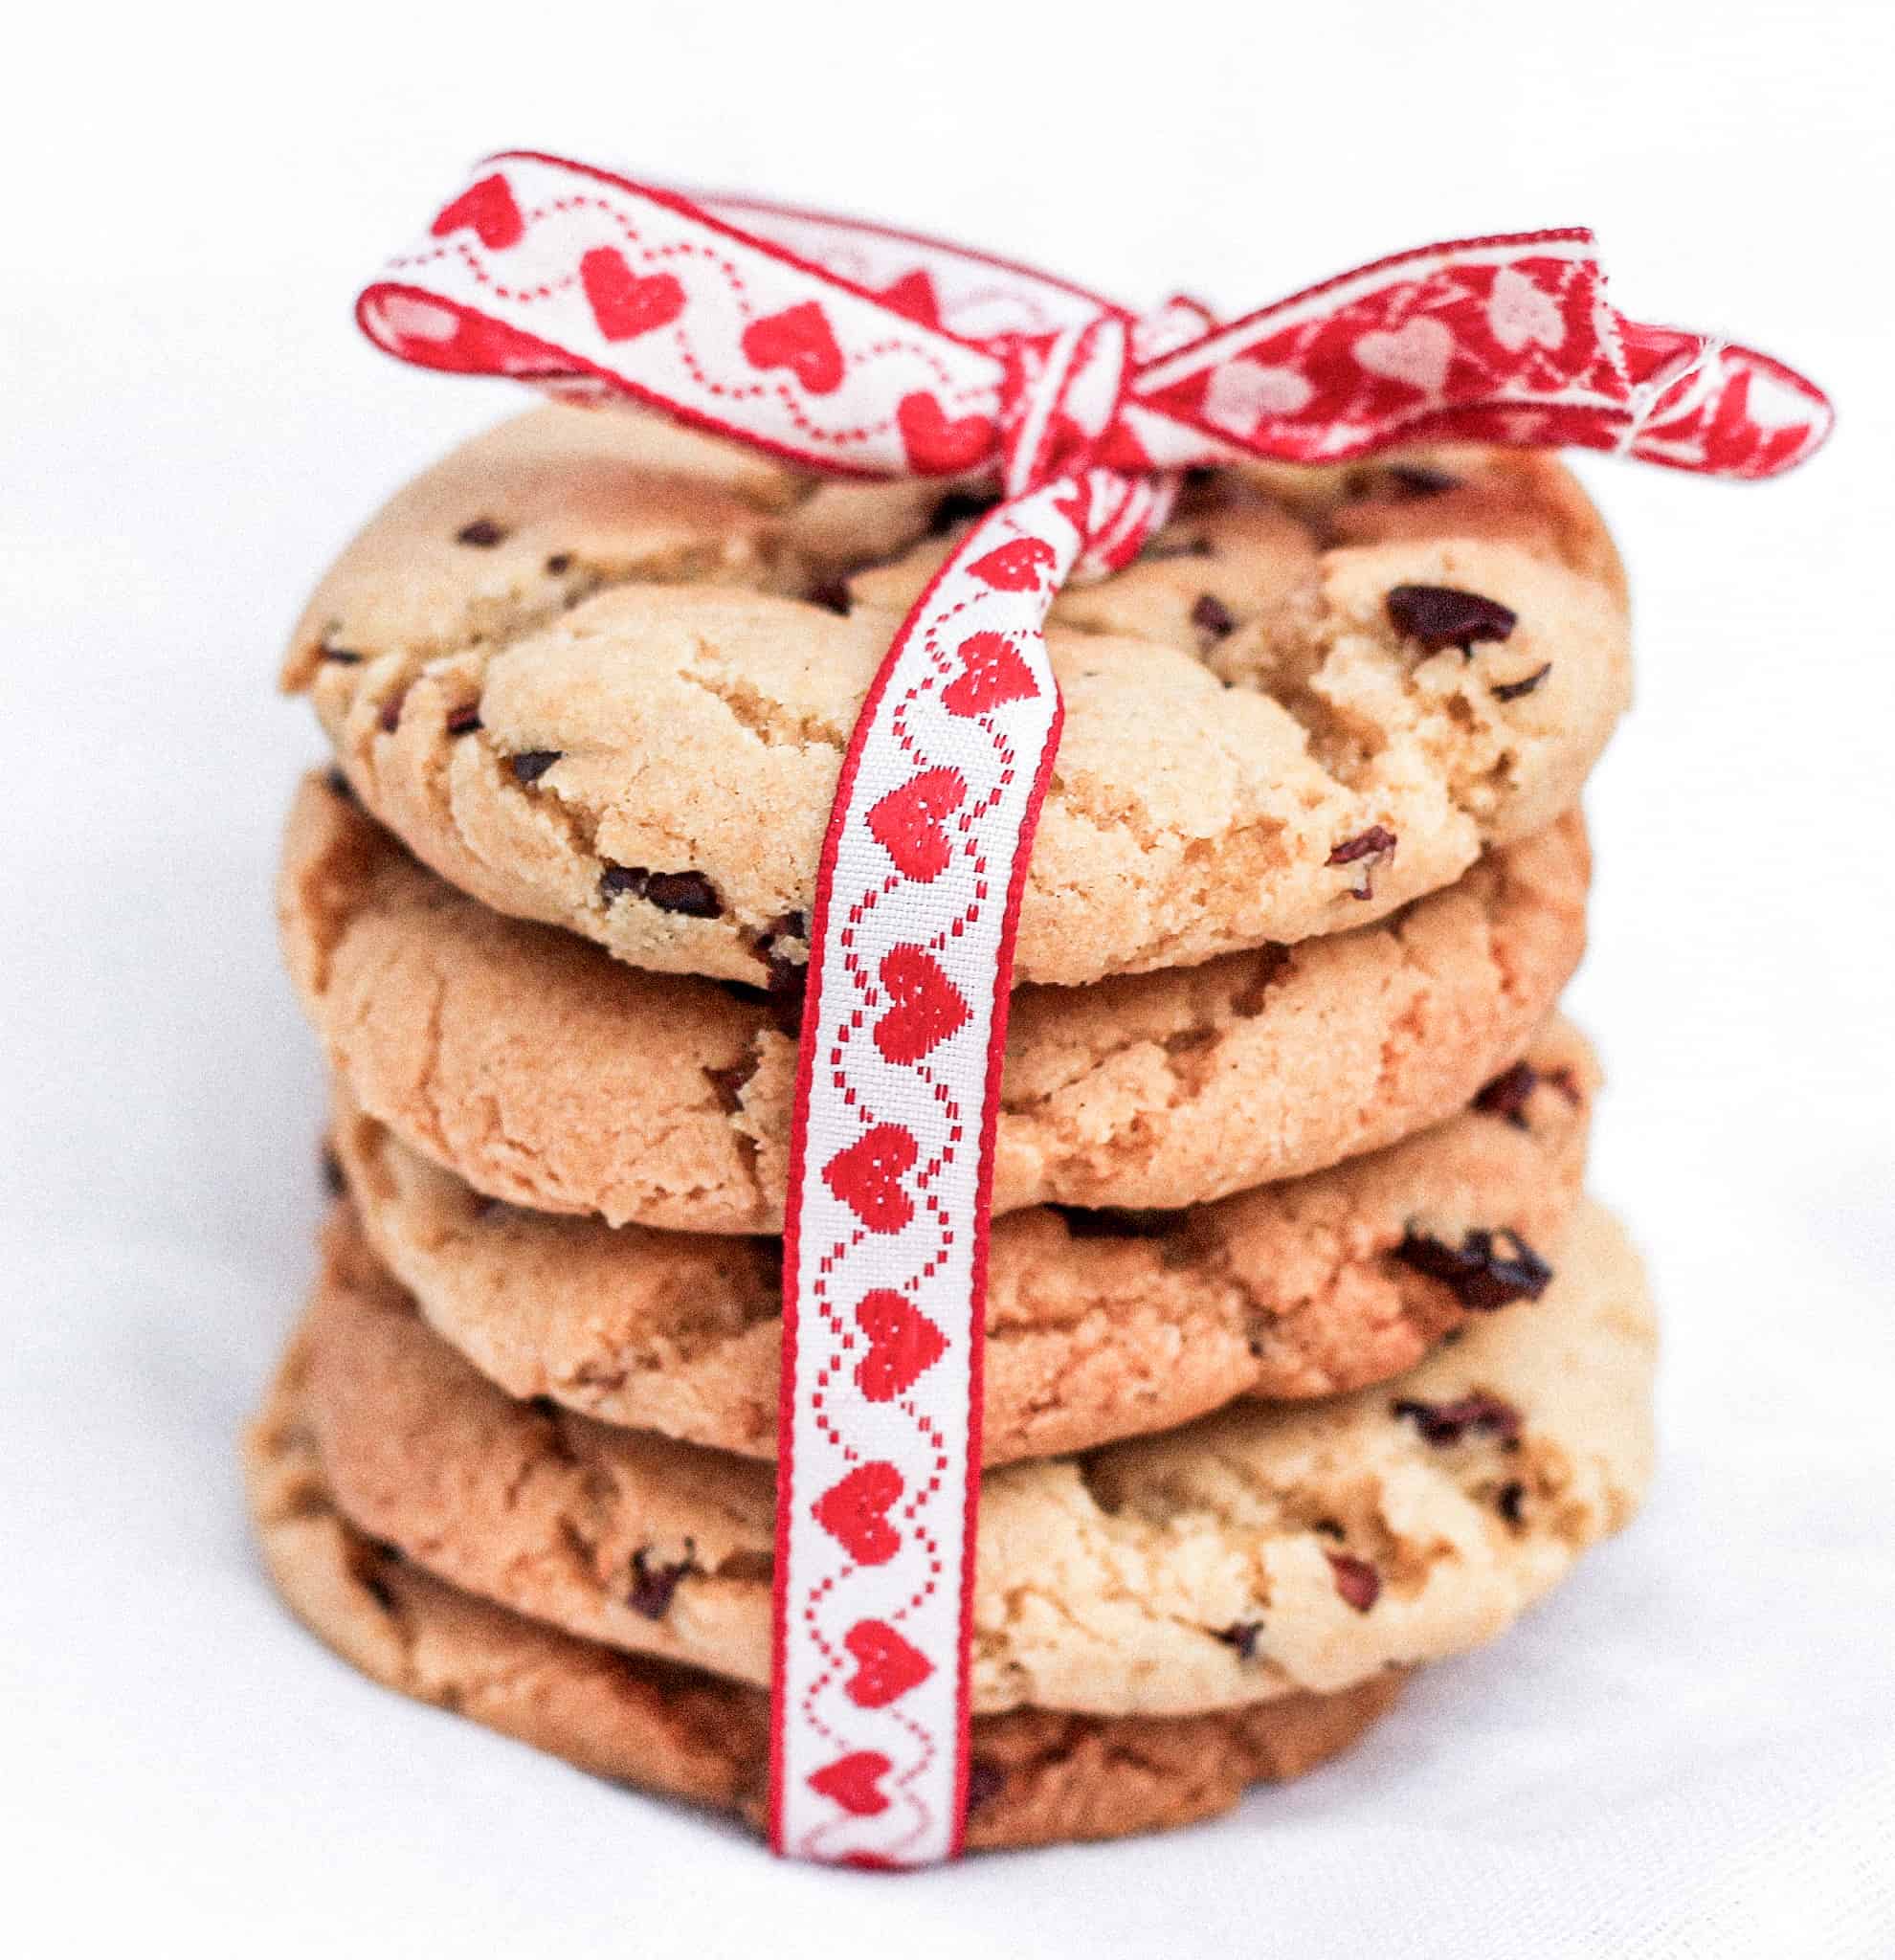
1306, 1361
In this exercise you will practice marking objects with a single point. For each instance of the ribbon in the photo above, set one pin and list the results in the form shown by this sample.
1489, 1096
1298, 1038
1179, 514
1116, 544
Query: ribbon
857, 350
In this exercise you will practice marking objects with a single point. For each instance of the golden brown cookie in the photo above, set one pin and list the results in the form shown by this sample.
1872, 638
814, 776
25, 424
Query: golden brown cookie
1036, 1777
544, 1073
1100, 1325
1262, 1552
595, 671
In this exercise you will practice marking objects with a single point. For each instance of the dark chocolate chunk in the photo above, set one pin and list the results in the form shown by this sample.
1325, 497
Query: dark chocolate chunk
1179, 547
1512, 690
1486, 1271
1510, 1500
559, 564
482, 532
689, 893
1474, 1414
1441, 617
339, 785
728, 1082
531, 764
334, 1182
465, 718
342, 657
390, 719
832, 594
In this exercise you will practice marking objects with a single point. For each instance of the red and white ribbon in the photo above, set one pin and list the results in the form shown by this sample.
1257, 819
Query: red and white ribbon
864, 351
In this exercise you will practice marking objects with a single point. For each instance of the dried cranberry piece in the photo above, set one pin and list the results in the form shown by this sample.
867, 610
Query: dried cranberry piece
1478, 1272
1512, 690
390, 719
1367, 849
464, 719
531, 764
653, 1581
483, 533
1212, 618
1475, 1415
1357, 1581
984, 1782
1244, 1635
728, 1082
1507, 1095
787, 979
1441, 617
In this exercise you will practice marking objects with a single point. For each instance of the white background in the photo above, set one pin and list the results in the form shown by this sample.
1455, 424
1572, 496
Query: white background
1692, 1750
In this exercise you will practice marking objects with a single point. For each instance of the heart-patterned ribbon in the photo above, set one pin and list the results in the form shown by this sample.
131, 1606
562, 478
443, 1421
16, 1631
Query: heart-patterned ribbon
859, 351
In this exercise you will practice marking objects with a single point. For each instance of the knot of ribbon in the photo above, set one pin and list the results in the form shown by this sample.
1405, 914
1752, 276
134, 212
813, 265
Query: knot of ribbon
861, 351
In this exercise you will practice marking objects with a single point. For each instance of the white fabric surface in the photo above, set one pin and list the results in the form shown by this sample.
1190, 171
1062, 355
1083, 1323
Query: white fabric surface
1691, 1750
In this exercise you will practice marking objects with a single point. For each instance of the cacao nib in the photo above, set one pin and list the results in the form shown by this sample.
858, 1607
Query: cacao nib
1448, 1422
1480, 1271
1442, 617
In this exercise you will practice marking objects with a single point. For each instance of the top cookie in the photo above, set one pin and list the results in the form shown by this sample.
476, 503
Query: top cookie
601, 672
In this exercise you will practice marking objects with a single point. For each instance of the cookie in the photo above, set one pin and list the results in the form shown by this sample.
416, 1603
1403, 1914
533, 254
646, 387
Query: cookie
598, 672
1260, 1551
1036, 1777
545, 1074
1099, 1324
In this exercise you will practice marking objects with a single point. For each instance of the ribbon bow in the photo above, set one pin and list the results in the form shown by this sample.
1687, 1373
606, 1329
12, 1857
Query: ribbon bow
850, 348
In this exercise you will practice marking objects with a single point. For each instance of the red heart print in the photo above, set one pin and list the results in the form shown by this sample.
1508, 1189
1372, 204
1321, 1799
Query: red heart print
887, 1665
624, 304
800, 339
936, 446
991, 673
1075, 506
926, 1008
867, 1176
903, 1343
488, 206
853, 1512
852, 1779
1016, 566
913, 294
910, 823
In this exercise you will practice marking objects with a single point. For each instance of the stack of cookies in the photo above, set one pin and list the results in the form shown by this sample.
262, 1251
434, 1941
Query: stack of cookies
1306, 1362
